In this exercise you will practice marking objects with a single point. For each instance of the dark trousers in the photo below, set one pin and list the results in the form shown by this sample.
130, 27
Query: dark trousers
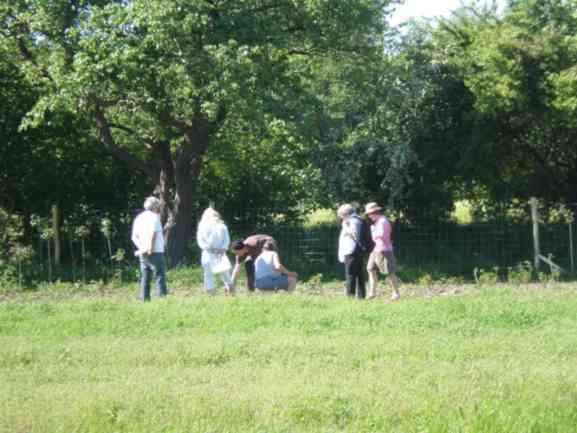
355, 274
149, 266
249, 267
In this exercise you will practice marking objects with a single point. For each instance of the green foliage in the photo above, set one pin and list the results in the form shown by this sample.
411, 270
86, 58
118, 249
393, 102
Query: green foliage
164, 83
560, 214
486, 277
320, 217
120, 255
522, 273
13, 252
391, 127
518, 67
313, 286
106, 228
34, 163
11, 227
426, 280
21, 253
272, 110
463, 213
551, 277
82, 232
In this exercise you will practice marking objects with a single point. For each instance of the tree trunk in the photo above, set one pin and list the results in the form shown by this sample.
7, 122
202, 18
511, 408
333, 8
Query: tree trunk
57, 235
176, 172
176, 188
180, 229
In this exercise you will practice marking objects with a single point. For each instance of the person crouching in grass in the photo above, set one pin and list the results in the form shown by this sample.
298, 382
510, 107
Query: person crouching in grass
270, 274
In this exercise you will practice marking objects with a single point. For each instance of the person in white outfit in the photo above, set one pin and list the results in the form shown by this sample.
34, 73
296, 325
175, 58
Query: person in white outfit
213, 239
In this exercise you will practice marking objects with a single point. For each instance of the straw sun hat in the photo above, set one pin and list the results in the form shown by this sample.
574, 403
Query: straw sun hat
372, 208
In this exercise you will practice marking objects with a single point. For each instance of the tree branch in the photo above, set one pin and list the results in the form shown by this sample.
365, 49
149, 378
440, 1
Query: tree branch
107, 139
168, 120
149, 143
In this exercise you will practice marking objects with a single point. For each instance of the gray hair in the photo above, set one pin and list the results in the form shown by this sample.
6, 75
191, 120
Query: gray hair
151, 203
345, 210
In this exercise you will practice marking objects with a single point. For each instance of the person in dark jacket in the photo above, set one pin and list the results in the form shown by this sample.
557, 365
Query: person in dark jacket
351, 252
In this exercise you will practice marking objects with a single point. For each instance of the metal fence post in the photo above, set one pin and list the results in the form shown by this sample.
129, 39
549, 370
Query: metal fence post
535, 219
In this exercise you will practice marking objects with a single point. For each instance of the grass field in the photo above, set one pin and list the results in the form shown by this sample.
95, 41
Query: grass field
501, 360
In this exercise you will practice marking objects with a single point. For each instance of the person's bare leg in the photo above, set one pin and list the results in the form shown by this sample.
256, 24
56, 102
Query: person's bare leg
373, 282
394, 282
292, 283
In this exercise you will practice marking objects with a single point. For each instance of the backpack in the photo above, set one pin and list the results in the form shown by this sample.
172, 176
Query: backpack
366, 242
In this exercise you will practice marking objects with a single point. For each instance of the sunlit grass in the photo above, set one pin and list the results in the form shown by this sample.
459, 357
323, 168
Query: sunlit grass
495, 360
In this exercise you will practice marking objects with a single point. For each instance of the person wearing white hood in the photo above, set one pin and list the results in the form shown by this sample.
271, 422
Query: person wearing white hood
213, 239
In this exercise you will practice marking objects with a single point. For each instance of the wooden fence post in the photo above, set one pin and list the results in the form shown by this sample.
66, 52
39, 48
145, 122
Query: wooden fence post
57, 237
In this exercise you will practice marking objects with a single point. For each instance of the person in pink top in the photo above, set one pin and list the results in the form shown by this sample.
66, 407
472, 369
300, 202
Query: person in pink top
382, 257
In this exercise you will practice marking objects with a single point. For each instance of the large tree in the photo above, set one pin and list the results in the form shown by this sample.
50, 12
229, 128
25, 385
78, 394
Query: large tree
520, 68
53, 164
391, 131
160, 81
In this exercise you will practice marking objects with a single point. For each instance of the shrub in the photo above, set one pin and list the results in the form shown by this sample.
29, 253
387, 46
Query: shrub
486, 277
522, 273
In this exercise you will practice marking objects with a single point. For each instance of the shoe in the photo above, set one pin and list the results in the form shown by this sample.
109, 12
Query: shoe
369, 297
395, 296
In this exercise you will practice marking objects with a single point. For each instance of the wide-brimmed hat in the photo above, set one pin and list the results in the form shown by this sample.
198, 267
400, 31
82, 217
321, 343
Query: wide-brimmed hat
372, 208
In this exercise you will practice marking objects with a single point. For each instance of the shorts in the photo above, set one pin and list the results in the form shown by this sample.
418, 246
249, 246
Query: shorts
384, 261
272, 282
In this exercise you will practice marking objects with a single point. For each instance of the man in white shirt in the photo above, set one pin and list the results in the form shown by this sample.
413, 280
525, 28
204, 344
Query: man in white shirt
351, 251
148, 237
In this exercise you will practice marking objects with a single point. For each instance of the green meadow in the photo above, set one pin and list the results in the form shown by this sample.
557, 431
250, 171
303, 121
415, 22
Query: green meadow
486, 360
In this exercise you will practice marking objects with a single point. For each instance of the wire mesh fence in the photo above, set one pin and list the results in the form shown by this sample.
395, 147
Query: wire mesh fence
438, 248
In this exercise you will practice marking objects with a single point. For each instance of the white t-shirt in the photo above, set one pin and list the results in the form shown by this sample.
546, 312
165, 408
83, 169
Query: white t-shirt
264, 266
145, 224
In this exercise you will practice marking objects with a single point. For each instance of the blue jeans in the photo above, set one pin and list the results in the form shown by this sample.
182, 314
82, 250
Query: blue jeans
272, 282
149, 265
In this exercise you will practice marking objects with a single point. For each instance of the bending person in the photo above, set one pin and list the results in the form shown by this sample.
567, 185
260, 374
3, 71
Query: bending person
246, 252
270, 274
213, 239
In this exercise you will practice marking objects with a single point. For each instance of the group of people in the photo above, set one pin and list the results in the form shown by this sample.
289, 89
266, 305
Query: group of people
360, 238
258, 253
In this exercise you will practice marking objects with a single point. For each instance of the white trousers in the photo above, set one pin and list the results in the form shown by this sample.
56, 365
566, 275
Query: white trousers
207, 259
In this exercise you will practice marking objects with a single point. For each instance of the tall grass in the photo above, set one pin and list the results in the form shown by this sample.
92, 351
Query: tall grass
494, 361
